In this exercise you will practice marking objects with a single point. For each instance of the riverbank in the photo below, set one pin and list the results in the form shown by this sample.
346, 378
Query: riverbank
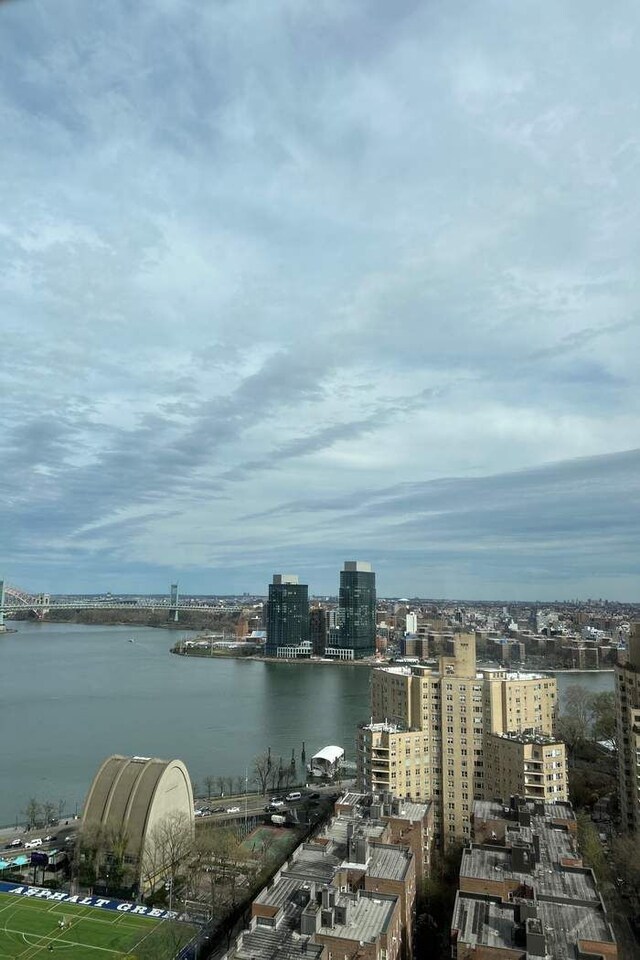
228, 654
188, 619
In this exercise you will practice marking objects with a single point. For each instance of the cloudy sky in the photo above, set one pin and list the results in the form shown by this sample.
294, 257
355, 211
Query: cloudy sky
286, 283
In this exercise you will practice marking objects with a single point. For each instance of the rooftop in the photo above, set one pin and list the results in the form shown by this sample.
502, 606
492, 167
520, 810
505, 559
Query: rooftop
368, 915
486, 922
548, 878
512, 674
497, 810
388, 862
267, 942
528, 737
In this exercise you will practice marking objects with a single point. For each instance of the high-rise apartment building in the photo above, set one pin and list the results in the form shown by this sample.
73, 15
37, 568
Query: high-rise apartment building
287, 618
411, 623
356, 612
426, 739
628, 731
525, 765
318, 630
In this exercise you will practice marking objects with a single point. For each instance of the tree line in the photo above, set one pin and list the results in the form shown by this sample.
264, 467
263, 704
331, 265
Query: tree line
266, 773
586, 717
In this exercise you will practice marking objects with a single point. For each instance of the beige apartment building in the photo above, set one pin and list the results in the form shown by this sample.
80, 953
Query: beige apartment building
628, 730
525, 765
426, 738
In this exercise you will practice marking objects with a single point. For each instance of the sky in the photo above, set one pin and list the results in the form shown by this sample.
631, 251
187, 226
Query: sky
285, 284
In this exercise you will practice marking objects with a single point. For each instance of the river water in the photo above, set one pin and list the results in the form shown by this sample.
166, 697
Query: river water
71, 695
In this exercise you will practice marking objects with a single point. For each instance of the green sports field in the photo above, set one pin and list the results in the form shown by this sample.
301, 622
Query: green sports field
29, 926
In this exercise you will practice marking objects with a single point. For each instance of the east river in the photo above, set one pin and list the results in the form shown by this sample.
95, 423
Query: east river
71, 695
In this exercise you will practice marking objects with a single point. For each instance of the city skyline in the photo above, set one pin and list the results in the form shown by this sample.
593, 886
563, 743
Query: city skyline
284, 284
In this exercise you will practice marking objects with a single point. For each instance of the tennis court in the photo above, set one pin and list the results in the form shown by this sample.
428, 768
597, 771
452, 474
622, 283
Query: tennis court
32, 929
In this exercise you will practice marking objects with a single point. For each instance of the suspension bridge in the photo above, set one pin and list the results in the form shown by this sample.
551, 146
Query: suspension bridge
14, 600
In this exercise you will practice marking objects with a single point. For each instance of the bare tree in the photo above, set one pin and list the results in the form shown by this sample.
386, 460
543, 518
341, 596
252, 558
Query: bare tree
575, 722
229, 782
225, 865
221, 784
626, 859
604, 718
89, 852
49, 810
33, 812
168, 845
240, 785
262, 771
209, 782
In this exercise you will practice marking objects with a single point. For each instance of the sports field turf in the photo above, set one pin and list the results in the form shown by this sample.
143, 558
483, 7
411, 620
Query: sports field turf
29, 926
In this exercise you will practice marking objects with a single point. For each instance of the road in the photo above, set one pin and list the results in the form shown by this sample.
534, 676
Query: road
254, 804
67, 827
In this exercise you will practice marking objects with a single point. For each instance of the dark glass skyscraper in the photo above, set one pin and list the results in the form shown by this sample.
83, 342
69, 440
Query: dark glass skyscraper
287, 617
357, 609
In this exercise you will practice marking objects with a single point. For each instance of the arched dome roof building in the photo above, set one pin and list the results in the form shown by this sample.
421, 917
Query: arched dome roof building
134, 796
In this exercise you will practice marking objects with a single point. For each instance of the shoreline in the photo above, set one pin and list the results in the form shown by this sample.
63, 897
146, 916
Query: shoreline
229, 655
257, 658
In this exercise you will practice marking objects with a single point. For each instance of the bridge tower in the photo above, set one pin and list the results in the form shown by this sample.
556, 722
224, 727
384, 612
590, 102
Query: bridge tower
1, 605
173, 603
43, 600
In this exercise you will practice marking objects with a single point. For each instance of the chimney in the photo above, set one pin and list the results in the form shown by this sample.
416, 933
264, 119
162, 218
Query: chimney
327, 918
310, 920
525, 910
536, 847
328, 897
522, 858
524, 817
341, 912
536, 943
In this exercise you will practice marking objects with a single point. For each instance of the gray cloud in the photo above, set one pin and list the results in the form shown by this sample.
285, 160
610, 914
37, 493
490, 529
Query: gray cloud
267, 268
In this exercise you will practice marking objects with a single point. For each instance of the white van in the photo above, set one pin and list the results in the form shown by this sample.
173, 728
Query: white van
36, 842
291, 797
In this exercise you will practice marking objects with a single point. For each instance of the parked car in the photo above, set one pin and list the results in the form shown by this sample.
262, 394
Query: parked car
48, 839
293, 797
14, 843
233, 810
275, 802
36, 842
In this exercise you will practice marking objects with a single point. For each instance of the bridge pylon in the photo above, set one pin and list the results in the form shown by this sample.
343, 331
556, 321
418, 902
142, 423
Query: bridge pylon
2, 627
173, 603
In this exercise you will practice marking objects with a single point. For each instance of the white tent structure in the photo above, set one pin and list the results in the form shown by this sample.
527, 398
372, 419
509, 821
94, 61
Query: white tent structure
326, 762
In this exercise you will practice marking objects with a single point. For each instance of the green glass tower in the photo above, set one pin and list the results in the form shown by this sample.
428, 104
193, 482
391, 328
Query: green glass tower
357, 610
287, 617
